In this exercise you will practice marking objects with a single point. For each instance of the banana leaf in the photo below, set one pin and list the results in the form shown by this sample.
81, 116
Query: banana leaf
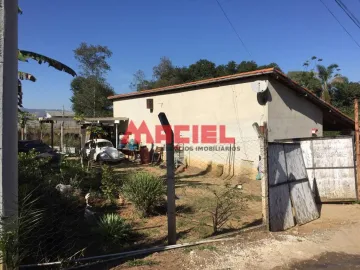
25, 55
26, 76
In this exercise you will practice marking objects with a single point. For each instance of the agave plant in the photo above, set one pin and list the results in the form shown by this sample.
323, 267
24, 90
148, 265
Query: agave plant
113, 229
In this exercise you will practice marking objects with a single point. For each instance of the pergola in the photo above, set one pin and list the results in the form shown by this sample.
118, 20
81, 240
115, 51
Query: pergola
116, 122
51, 122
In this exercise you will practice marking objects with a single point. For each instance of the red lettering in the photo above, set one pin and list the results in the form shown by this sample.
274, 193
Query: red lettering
159, 134
223, 138
208, 134
178, 138
195, 134
163, 133
143, 129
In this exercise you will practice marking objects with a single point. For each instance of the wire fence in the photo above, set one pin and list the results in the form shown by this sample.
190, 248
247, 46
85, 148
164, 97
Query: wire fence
215, 181
217, 191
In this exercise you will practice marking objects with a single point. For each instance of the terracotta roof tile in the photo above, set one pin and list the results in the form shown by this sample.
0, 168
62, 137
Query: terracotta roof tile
196, 83
271, 71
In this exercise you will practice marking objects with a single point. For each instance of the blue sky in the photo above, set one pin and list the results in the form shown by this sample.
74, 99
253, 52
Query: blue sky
139, 32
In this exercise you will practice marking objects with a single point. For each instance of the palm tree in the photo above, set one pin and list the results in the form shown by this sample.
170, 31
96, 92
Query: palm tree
327, 77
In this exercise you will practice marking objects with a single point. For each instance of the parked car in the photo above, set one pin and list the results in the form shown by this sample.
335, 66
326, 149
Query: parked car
101, 150
44, 150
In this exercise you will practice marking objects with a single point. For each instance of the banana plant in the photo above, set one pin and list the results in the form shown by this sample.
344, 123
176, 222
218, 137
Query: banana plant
24, 56
23, 118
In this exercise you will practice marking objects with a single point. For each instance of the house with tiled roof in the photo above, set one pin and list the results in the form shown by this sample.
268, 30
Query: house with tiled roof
236, 102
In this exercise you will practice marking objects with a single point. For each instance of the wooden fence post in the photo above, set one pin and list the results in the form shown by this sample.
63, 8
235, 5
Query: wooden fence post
357, 144
264, 180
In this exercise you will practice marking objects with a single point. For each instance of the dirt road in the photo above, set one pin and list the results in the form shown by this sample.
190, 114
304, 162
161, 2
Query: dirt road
331, 241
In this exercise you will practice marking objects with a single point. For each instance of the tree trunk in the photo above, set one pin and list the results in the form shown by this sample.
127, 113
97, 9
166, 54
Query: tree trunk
325, 95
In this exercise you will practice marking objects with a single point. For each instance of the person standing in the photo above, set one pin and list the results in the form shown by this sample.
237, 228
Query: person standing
122, 140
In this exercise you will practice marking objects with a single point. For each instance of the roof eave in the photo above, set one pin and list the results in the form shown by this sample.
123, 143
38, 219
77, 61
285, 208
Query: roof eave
194, 84
310, 95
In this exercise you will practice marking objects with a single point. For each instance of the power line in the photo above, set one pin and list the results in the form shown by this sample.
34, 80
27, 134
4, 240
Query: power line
343, 27
348, 12
232, 26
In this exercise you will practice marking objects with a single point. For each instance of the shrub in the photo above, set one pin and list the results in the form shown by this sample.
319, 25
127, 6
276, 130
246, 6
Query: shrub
12, 252
58, 234
223, 205
109, 185
30, 168
113, 229
70, 169
71, 172
145, 191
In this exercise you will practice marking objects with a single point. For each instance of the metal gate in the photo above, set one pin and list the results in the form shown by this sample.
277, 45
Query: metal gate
330, 166
290, 195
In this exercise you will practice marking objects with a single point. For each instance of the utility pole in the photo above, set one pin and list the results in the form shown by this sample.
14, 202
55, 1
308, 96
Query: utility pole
62, 132
8, 109
357, 143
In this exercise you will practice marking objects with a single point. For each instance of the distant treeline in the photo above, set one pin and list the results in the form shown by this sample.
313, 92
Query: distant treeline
165, 73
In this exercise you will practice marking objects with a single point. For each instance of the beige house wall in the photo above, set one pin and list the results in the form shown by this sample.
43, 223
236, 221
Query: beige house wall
291, 115
234, 105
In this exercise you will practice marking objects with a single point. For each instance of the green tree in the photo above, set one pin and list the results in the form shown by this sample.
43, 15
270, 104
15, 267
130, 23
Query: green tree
93, 59
90, 90
327, 76
307, 79
139, 82
165, 73
164, 70
83, 89
203, 69
231, 68
271, 65
246, 66
343, 93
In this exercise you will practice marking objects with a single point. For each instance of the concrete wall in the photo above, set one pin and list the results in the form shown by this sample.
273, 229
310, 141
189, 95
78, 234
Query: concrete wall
233, 105
291, 115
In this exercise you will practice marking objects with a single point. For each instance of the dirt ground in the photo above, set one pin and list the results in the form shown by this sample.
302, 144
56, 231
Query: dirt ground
194, 192
329, 242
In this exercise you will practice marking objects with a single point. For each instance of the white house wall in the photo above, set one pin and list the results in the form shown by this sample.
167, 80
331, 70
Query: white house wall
234, 106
